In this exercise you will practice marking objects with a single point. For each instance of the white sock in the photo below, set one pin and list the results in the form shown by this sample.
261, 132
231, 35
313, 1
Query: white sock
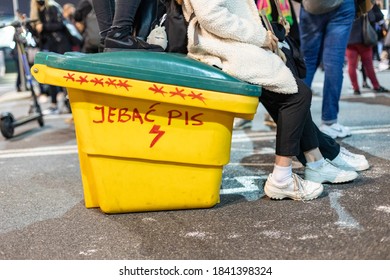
338, 156
281, 174
316, 164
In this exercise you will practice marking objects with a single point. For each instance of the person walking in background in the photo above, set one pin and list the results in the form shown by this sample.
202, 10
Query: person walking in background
50, 27
356, 48
68, 12
86, 22
15, 55
117, 22
323, 39
52, 35
381, 29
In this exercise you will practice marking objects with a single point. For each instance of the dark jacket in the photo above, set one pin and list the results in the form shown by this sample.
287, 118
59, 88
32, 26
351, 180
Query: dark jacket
54, 36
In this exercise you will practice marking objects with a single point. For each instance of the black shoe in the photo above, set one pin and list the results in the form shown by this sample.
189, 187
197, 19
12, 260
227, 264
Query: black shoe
119, 38
381, 90
365, 85
132, 43
119, 32
242, 124
356, 92
101, 44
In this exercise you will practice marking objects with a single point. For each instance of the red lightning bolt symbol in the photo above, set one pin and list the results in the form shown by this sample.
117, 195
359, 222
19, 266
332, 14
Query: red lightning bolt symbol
156, 130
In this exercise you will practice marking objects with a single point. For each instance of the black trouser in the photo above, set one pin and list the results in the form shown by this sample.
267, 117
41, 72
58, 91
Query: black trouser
291, 112
288, 112
329, 148
53, 91
115, 13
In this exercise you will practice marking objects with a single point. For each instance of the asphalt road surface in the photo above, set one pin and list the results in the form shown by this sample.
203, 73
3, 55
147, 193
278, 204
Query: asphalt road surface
43, 216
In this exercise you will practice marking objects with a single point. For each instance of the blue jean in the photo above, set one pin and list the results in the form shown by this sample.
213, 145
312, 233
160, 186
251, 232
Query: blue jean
324, 38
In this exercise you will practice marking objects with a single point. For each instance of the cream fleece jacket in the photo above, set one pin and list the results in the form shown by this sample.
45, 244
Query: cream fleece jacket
230, 35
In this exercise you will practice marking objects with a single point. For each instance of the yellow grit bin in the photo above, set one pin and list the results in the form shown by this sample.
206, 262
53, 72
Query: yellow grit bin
153, 129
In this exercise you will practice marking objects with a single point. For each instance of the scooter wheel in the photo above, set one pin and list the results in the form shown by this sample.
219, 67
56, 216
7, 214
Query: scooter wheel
40, 121
6, 125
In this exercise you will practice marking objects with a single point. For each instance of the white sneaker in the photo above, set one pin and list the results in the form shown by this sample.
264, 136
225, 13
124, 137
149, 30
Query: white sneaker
42, 98
329, 173
349, 161
335, 130
297, 189
242, 124
51, 111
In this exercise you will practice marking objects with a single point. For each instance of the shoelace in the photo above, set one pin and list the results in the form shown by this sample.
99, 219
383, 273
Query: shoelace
345, 152
298, 187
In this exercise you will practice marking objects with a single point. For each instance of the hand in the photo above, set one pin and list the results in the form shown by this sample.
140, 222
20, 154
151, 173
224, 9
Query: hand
282, 55
80, 26
39, 27
271, 41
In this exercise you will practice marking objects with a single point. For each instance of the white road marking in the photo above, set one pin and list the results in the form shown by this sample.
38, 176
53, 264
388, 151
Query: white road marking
263, 151
251, 187
41, 151
88, 252
250, 164
196, 234
345, 219
385, 209
263, 136
248, 183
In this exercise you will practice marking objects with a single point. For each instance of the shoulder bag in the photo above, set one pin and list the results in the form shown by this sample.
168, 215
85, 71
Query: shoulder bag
370, 37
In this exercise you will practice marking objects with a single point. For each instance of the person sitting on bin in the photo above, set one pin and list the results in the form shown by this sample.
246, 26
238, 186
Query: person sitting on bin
330, 149
229, 35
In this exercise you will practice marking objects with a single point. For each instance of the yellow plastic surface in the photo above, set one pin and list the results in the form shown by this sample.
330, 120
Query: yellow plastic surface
147, 146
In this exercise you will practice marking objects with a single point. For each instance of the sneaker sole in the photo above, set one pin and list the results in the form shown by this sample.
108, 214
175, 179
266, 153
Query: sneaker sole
342, 136
279, 195
335, 134
336, 181
353, 168
362, 167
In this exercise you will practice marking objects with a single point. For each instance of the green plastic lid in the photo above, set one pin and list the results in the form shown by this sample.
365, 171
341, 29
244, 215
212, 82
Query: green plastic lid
161, 67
